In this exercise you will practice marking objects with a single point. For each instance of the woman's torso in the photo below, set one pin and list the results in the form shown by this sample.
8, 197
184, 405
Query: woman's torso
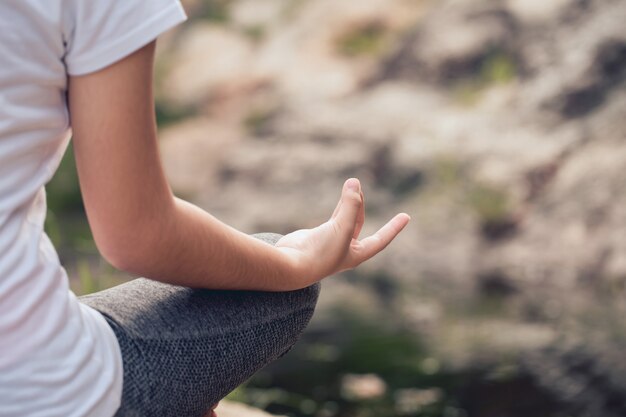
55, 354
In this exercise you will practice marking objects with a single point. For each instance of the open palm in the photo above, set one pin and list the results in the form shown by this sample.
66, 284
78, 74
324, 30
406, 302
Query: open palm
334, 246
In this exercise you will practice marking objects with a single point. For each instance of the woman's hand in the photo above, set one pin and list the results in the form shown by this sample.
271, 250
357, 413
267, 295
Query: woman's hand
139, 226
334, 246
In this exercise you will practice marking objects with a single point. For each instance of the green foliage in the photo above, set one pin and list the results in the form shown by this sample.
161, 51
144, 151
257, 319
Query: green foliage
467, 93
166, 111
498, 68
489, 203
258, 121
87, 282
217, 11
256, 33
63, 191
374, 348
451, 187
307, 382
53, 229
93, 274
64, 203
447, 171
418, 384
168, 114
66, 219
239, 394
368, 39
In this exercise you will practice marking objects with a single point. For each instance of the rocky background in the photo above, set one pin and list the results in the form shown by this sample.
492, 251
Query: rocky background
500, 126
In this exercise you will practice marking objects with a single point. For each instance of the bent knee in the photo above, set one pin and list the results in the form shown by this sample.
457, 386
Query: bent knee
305, 298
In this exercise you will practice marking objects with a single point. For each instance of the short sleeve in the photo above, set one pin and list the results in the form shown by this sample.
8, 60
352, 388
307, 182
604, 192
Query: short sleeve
99, 33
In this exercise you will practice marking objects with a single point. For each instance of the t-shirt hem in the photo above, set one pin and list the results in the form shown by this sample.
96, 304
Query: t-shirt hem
100, 58
108, 405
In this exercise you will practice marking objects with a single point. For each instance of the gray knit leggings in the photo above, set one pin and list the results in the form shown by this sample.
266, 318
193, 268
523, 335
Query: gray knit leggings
183, 350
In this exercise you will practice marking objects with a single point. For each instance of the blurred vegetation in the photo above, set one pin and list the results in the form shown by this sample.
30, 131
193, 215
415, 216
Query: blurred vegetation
63, 190
367, 39
310, 380
419, 380
256, 33
259, 120
216, 11
66, 222
489, 203
496, 68
169, 114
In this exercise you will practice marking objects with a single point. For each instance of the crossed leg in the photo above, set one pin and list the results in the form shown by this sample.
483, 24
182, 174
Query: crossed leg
184, 349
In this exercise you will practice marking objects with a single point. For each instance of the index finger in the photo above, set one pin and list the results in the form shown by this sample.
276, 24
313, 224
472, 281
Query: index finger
375, 243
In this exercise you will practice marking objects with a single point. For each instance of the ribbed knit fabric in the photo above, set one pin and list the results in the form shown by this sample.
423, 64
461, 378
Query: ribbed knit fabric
184, 349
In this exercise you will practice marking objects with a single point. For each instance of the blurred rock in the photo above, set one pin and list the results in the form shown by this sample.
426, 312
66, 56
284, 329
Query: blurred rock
499, 126
411, 401
362, 387
532, 11
523, 178
210, 58
453, 42
193, 152
232, 409
303, 56
254, 14
587, 376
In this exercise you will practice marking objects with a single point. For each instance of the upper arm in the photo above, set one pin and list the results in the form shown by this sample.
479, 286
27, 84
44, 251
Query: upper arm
115, 143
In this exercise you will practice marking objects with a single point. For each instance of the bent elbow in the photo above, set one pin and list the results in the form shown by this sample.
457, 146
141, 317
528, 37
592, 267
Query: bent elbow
122, 253
131, 243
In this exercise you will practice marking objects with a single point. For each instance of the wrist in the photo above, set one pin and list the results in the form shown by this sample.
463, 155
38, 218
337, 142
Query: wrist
297, 269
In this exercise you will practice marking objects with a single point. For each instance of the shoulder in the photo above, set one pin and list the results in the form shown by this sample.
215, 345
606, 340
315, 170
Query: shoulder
99, 33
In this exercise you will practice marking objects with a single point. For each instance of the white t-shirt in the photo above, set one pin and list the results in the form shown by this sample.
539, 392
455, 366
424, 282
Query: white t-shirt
57, 356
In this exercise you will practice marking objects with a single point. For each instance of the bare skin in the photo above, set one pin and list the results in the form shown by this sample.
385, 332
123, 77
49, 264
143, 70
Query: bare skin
139, 226
211, 412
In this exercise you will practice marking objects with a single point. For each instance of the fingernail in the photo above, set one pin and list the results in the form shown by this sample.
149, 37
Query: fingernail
353, 184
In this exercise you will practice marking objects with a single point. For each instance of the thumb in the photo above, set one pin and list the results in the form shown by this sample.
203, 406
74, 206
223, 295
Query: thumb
348, 210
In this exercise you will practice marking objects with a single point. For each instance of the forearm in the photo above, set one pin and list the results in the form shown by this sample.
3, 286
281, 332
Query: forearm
140, 227
190, 247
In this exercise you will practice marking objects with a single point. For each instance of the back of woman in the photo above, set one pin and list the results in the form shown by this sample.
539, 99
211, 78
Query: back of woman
48, 339
178, 342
